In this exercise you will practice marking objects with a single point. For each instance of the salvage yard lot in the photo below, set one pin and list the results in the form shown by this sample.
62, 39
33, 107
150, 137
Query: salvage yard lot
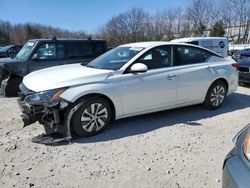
177, 148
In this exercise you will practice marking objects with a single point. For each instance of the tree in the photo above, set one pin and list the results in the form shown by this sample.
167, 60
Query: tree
32, 32
218, 29
237, 19
199, 29
130, 26
20, 33
165, 25
4, 37
199, 14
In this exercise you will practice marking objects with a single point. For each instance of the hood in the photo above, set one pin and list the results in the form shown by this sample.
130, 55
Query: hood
4, 61
8, 60
63, 76
245, 62
3, 54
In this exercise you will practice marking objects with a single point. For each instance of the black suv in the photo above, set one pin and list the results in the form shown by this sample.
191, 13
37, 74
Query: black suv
42, 53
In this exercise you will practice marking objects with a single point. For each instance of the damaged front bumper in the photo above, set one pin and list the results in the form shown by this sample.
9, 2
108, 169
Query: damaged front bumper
54, 116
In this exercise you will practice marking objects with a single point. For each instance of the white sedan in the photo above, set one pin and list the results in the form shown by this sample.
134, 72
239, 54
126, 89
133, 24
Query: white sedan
129, 80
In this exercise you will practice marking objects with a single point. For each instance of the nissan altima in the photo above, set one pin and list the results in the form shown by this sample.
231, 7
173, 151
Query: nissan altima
129, 80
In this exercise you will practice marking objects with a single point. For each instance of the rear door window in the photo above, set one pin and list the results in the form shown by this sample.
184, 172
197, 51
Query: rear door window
206, 55
78, 49
185, 55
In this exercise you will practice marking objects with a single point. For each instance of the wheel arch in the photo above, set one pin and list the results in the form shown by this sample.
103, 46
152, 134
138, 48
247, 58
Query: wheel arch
222, 80
111, 103
207, 103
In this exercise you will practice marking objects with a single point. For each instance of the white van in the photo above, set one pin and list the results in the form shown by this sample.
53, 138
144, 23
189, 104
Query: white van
216, 44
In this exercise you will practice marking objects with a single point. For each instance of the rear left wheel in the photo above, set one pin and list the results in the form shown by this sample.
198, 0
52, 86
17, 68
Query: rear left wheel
216, 95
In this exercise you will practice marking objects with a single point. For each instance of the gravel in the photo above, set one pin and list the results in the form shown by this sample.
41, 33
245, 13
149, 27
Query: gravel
177, 148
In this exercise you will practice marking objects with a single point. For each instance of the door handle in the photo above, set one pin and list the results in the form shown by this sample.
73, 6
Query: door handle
170, 77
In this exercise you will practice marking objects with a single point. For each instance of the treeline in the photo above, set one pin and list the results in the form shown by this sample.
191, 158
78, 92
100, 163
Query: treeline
229, 18
20, 33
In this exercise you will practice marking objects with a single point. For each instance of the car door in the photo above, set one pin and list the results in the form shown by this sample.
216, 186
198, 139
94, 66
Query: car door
47, 55
153, 89
194, 73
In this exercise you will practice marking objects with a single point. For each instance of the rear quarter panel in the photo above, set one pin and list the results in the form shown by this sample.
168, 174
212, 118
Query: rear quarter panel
222, 68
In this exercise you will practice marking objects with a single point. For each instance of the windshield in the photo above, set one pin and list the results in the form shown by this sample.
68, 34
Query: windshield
115, 58
24, 53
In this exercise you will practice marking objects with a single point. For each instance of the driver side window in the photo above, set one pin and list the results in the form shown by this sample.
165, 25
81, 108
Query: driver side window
49, 51
158, 57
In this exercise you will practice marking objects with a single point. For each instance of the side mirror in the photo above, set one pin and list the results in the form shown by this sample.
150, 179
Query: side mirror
138, 68
35, 57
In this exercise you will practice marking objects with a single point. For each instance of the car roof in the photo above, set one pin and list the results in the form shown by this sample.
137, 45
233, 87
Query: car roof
189, 39
158, 43
66, 39
144, 44
155, 43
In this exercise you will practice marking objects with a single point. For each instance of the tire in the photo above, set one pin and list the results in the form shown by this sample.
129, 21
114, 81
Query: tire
86, 121
12, 87
216, 95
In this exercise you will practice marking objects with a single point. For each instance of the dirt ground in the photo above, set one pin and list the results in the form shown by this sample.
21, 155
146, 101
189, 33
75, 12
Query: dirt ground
177, 148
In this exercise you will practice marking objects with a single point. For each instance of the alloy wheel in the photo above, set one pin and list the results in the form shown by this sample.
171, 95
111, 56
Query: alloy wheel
218, 95
94, 117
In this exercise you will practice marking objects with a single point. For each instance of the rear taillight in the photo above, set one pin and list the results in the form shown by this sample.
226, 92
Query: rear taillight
236, 65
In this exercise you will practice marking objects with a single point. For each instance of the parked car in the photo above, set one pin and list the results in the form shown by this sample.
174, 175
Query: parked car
244, 71
42, 53
126, 81
241, 54
9, 51
236, 167
236, 55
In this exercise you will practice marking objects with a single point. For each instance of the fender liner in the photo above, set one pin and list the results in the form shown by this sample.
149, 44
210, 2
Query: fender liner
68, 121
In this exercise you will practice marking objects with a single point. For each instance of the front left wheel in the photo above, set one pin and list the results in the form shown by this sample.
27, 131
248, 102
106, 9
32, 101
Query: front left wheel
92, 117
12, 87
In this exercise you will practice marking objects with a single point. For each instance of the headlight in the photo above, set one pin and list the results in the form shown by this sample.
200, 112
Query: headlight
246, 145
49, 97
